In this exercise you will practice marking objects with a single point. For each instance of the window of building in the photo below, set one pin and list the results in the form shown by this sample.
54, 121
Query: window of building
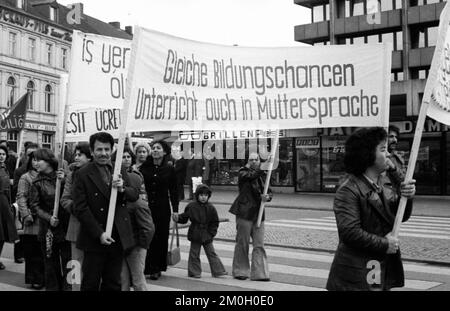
47, 140
421, 2
358, 7
347, 8
373, 6
433, 1
318, 14
11, 91
12, 140
32, 49
12, 43
64, 58
423, 74
400, 76
53, 14
48, 98
398, 4
398, 41
20, 4
308, 164
30, 90
327, 12
388, 38
387, 5
432, 34
49, 48
373, 39
359, 40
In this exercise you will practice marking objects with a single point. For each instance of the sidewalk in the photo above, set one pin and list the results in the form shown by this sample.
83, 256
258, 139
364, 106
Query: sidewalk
423, 205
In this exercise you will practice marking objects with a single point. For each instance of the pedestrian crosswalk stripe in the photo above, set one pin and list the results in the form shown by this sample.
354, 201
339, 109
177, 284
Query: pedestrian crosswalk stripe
157, 288
305, 256
411, 223
315, 273
229, 281
402, 233
419, 218
405, 227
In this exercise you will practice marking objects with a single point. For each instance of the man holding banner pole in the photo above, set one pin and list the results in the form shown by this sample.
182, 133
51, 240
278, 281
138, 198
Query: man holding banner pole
246, 208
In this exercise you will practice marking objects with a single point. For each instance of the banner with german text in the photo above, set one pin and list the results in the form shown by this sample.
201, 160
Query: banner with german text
178, 84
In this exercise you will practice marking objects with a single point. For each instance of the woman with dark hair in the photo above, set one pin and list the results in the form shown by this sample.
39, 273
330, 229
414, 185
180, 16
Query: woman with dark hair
367, 256
8, 232
82, 157
52, 230
161, 186
34, 260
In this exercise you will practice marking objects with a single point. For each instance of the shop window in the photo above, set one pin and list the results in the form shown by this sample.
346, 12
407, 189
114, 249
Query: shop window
12, 140
308, 164
333, 170
282, 175
47, 140
30, 90
11, 91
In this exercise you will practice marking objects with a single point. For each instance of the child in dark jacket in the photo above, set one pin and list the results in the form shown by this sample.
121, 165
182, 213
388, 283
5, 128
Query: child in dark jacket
203, 228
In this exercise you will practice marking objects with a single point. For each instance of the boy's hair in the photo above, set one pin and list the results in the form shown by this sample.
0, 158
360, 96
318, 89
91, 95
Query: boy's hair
202, 189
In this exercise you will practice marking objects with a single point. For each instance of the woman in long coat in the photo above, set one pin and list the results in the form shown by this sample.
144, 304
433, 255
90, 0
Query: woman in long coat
367, 256
34, 260
8, 232
161, 186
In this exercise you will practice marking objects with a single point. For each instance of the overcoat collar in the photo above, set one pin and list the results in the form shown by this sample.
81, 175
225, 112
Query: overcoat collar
95, 176
375, 200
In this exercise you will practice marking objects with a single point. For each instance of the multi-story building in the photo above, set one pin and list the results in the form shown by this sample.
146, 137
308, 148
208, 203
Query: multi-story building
411, 27
35, 42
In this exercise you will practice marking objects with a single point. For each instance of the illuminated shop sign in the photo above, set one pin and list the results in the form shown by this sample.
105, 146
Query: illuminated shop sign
224, 135
310, 142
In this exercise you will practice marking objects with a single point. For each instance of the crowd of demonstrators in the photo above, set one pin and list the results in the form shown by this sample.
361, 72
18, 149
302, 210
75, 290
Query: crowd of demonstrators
148, 195
161, 186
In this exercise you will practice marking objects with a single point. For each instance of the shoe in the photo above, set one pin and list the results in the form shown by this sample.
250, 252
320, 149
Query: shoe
195, 276
19, 260
37, 286
241, 277
220, 274
2, 266
155, 276
262, 280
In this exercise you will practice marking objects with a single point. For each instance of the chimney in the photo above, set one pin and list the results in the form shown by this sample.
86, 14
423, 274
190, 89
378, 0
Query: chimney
79, 7
129, 30
115, 24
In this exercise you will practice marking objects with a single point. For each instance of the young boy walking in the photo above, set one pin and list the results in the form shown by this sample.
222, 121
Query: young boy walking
203, 228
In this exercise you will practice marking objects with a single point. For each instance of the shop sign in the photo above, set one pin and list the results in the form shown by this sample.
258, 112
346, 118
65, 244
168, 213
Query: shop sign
31, 24
430, 126
40, 127
227, 135
311, 142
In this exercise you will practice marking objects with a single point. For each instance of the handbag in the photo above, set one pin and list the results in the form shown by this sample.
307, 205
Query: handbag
173, 255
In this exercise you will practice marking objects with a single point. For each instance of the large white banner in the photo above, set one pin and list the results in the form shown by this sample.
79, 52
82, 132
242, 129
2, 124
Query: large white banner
439, 108
178, 84
99, 68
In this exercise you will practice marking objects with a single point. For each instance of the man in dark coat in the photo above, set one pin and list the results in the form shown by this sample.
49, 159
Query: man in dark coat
103, 254
246, 208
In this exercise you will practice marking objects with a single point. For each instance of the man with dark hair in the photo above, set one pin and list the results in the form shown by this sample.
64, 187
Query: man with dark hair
365, 218
396, 170
103, 254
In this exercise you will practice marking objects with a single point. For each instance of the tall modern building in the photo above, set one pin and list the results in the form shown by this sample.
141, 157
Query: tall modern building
411, 27
35, 42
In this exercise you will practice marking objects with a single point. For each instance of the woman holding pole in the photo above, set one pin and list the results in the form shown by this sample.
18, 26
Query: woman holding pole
52, 230
161, 185
368, 255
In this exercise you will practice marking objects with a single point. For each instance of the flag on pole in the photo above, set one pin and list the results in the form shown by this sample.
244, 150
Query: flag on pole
14, 117
439, 108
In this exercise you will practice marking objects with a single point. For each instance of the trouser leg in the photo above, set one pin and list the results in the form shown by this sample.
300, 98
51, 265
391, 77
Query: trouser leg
215, 263
194, 264
241, 265
260, 266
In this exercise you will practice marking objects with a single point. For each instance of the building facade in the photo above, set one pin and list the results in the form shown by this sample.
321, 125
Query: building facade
35, 42
411, 27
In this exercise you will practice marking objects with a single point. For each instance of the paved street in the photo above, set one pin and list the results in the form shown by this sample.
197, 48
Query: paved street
291, 270
300, 250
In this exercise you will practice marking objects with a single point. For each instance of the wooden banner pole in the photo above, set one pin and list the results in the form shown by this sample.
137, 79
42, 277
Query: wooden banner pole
273, 153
